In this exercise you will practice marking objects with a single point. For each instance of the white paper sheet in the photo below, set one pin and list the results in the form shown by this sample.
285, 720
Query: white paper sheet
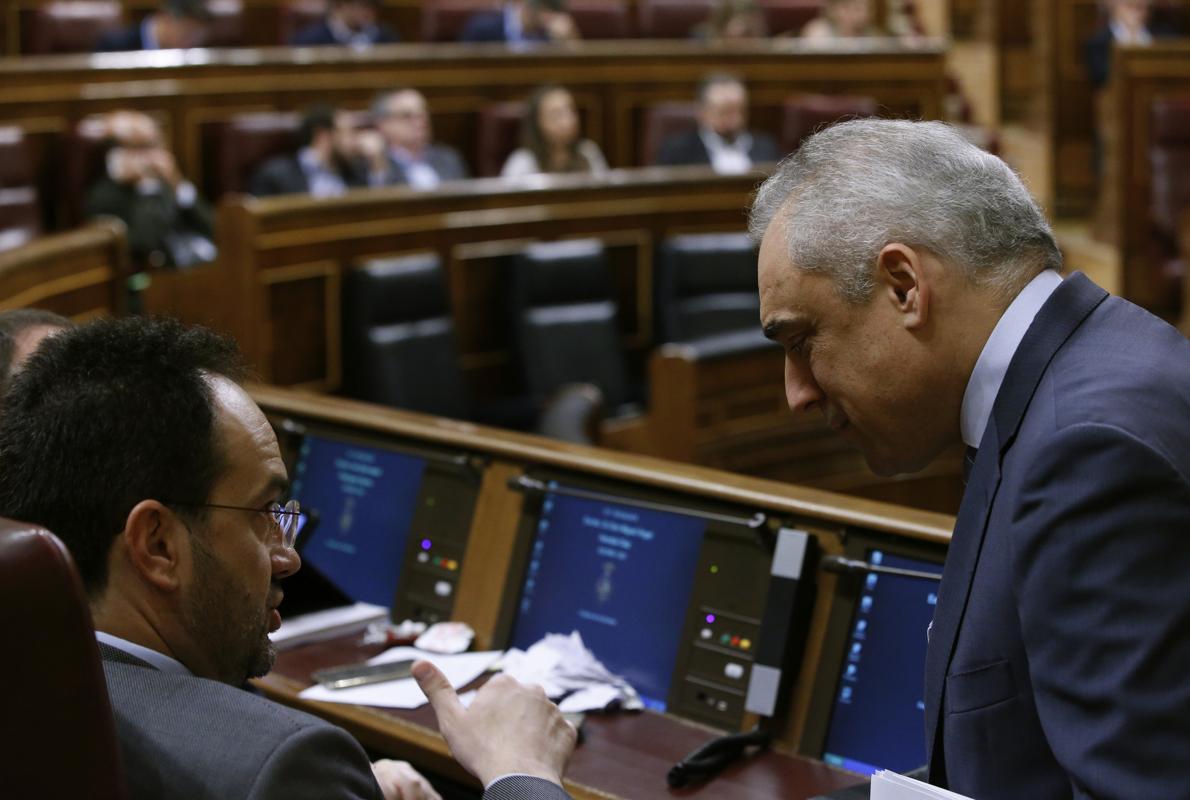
893, 786
325, 624
405, 693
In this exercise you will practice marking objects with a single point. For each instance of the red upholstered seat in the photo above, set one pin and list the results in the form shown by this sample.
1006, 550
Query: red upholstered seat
789, 16
56, 695
805, 113
601, 19
1169, 194
443, 20
671, 19
236, 147
227, 23
20, 211
663, 120
81, 165
70, 27
499, 134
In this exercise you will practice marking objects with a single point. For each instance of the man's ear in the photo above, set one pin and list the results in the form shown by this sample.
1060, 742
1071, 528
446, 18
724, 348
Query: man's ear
903, 280
154, 538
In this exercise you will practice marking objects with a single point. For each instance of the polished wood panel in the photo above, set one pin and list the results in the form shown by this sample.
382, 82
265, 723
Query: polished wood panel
82, 274
1140, 75
614, 83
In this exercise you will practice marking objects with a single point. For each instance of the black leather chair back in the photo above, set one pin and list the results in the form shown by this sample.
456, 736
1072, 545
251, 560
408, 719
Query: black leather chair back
399, 343
566, 320
706, 285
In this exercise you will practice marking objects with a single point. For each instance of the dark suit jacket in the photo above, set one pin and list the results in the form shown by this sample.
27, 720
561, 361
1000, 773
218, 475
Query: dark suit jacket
688, 148
320, 33
446, 161
194, 739
284, 175
1059, 654
151, 219
121, 40
488, 26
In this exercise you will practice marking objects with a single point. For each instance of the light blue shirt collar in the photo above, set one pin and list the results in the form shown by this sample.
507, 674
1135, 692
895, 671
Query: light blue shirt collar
148, 34
512, 25
158, 660
997, 353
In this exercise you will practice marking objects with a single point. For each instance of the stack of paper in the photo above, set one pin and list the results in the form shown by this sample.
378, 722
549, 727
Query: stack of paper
892, 786
326, 624
566, 669
405, 693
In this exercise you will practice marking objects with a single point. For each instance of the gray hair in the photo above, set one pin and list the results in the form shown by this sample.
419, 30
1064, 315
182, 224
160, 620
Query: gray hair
855, 187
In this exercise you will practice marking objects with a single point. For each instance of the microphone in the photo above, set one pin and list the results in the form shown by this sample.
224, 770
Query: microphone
841, 565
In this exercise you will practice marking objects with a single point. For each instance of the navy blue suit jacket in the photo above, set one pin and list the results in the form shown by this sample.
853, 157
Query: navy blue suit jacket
319, 33
1059, 657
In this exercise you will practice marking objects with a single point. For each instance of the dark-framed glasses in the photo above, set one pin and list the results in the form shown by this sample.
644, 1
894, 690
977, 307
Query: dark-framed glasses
285, 517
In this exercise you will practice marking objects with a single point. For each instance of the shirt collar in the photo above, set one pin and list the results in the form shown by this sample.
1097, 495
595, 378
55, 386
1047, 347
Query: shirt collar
512, 24
997, 354
1122, 34
713, 141
152, 657
148, 34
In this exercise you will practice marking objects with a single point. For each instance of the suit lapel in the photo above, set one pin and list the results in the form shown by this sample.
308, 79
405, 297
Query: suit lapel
1061, 315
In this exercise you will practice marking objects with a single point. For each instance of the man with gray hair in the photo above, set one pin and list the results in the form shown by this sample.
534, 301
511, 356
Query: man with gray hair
914, 285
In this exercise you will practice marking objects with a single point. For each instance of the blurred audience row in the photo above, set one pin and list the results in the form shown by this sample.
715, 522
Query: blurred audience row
122, 167
101, 24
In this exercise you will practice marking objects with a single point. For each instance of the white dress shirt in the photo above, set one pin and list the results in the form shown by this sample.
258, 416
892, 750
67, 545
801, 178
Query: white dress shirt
728, 158
158, 660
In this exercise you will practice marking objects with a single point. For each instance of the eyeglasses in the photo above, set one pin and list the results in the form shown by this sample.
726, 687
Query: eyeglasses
285, 517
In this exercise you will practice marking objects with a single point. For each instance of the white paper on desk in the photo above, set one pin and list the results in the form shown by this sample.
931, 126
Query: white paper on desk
405, 693
893, 786
326, 624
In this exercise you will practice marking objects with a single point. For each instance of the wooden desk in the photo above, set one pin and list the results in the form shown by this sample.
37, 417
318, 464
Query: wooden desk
622, 755
1140, 75
613, 83
282, 260
81, 274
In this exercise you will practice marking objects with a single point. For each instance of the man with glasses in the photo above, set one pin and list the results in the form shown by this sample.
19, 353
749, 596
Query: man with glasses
133, 442
409, 155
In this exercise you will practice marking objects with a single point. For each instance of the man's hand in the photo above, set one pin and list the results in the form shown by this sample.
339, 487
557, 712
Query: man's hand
509, 728
400, 781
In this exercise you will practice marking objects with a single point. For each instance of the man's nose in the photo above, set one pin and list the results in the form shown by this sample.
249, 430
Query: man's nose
801, 390
286, 561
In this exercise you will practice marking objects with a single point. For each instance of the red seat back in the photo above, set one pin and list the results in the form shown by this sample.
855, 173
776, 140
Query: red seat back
805, 113
70, 27
662, 121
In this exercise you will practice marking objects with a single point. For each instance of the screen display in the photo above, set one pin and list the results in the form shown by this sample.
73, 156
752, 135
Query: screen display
618, 574
878, 720
364, 498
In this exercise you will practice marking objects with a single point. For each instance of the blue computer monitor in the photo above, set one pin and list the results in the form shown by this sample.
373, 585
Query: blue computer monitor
364, 498
620, 575
878, 718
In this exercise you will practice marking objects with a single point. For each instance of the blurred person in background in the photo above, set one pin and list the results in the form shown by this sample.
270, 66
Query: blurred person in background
169, 224
551, 140
350, 23
842, 19
176, 24
732, 20
325, 161
522, 21
722, 139
405, 154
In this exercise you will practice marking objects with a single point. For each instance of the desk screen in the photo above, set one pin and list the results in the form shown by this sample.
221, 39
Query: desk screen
365, 498
878, 720
618, 574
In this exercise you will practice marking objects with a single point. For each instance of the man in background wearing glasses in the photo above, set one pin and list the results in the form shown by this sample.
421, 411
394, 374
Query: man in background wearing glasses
132, 441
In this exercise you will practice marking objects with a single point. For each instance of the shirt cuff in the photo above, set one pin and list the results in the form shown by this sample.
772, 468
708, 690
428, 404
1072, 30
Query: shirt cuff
499, 778
185, 194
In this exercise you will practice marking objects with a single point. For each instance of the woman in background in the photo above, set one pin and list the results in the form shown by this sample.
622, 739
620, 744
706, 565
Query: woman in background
551, 140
